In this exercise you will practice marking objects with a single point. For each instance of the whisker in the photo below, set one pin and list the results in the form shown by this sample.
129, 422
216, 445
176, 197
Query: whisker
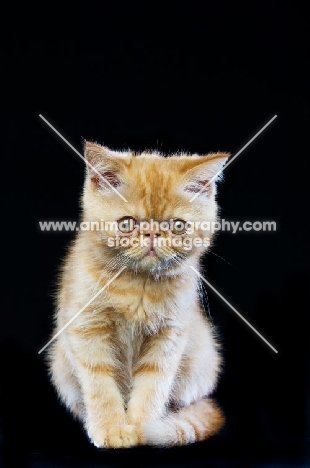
224, 260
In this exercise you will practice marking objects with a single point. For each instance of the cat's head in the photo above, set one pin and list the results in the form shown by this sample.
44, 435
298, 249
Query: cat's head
149, 211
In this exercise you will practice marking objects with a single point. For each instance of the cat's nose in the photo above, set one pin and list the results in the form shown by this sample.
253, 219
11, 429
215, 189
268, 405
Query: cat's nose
152, 234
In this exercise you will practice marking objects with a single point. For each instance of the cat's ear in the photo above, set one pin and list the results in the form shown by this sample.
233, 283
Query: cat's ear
103, 166
201, 173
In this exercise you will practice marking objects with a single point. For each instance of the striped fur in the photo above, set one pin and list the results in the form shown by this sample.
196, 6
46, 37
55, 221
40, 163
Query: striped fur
137, 366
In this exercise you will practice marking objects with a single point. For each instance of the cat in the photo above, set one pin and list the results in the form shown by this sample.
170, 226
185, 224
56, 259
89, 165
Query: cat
138, 364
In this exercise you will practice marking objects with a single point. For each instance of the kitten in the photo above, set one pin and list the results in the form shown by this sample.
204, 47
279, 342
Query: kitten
138, 364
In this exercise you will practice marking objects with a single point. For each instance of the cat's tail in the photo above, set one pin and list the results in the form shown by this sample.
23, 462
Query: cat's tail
193, 423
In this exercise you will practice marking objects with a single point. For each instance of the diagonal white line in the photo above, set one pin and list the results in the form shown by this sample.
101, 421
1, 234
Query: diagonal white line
238, 313
83, 308
84, 159
232, 159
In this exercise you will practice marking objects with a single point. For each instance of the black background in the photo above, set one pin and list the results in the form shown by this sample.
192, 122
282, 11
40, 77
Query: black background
173, 75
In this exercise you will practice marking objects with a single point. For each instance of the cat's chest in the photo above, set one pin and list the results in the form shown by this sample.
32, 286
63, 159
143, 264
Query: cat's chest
147, 302
144, 304
130, 339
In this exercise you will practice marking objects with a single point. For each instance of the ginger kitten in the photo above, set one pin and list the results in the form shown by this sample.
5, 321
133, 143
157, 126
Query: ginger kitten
138, 364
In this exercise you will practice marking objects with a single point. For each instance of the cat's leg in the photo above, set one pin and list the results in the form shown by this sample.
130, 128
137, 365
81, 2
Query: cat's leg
199, 367
153, 375
65, 381
98, 370
192, 415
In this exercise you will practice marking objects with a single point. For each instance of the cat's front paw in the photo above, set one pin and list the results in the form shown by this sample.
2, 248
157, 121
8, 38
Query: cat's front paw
125, 436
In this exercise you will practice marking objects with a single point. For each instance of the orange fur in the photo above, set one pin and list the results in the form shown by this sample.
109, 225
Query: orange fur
143, 346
